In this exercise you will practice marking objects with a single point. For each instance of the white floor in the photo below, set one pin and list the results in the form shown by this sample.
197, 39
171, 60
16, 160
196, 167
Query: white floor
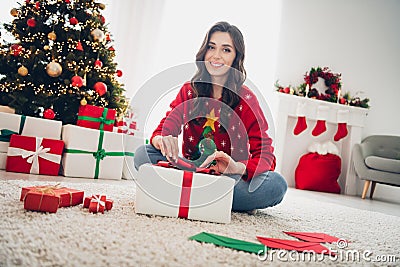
375, 205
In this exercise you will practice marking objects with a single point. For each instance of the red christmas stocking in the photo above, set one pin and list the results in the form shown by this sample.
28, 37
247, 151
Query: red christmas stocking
341, 131
342, 118
320, 127
301, 124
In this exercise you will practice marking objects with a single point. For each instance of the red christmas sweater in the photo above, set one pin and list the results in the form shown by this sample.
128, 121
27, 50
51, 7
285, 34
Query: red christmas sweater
245, 139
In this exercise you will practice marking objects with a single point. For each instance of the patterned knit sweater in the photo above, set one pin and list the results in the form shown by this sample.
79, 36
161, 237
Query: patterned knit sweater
245, 138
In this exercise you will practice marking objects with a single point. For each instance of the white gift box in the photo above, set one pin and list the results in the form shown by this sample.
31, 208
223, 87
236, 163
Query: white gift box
131, 143
3, 160
82, 145
176, 193
34, 127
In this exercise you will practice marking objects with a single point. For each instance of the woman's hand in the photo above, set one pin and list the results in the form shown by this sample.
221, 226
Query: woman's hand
224, 164
168, 146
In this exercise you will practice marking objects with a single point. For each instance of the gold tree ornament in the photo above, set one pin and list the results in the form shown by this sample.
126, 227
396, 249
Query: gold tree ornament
46, 47
54, 69
52, 36
23, 71
83, 102
98, 35
14, 12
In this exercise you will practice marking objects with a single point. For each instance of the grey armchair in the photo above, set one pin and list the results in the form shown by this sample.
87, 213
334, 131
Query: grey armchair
377, 160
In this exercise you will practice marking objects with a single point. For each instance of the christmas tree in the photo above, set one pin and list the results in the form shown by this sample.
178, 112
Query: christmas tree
63, 57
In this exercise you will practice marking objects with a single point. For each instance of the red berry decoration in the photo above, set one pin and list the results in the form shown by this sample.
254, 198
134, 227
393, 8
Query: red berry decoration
77, 81
16, 49
49, 114
73, 21
119, 73
100, 88
31, 22
286, 90
98, 64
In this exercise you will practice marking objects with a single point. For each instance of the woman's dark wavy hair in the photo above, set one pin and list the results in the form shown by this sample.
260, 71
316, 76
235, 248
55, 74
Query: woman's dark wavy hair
201, 81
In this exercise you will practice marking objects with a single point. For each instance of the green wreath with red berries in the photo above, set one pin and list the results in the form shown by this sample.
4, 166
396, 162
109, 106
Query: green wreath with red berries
332, 81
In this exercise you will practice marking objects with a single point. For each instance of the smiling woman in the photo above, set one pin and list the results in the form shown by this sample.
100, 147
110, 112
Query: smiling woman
217, 107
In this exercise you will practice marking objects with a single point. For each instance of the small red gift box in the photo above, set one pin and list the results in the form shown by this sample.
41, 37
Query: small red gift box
93, 201
97, 204
96, 117
67, 196
41, 199
34, 155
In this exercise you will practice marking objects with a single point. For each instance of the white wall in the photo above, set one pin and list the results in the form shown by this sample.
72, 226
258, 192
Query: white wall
163, 40
358, 38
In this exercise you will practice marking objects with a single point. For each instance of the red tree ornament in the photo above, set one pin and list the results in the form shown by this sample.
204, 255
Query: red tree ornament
77, 81
98, 64
31, 22
100, 88
79, 46
73, 21
111, 48
119, 73
16, 49
67, 1
108, 38
37, 5
49, 114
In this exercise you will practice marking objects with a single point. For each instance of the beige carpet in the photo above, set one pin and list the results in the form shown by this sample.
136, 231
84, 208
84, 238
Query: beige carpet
75, 237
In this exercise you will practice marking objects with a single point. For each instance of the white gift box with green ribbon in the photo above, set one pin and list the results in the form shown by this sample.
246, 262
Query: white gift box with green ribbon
131, 143
91, 153
27, 126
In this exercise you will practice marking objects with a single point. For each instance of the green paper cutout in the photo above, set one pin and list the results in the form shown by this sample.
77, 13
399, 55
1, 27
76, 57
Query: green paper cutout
228, 242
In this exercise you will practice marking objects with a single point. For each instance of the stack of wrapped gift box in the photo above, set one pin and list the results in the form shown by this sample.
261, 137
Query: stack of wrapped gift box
91, 149
30, 145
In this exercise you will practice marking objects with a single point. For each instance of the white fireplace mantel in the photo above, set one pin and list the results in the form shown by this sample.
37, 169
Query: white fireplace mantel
289, 147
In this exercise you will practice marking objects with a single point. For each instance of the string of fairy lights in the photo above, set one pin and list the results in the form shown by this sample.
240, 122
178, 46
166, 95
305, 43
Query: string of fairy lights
53, 51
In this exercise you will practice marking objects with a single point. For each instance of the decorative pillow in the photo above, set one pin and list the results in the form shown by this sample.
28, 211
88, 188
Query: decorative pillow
318, 172
383, 164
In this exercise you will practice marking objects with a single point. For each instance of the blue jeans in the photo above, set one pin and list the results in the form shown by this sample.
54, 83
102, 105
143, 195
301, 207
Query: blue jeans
263, 191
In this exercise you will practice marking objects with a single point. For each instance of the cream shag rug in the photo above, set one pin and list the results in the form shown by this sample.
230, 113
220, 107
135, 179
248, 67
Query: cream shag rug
75, 237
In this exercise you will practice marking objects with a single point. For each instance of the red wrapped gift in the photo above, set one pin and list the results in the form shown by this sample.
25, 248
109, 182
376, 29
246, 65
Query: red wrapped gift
35, 155
68, 197
41, 199
108, 204
97, 203
96, 117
